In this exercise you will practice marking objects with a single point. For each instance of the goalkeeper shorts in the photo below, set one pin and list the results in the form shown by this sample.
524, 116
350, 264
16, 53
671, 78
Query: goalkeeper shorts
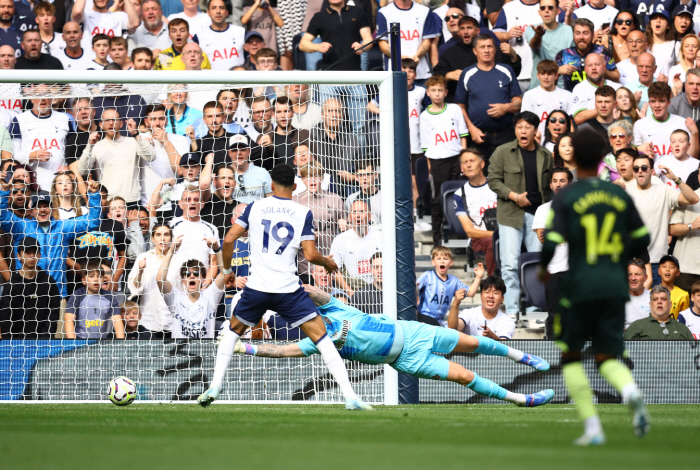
421, 342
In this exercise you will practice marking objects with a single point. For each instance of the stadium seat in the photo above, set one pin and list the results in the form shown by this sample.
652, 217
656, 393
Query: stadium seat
452, 223
531, 288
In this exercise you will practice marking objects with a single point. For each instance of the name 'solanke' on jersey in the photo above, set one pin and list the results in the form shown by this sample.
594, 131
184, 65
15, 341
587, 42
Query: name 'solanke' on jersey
279, 210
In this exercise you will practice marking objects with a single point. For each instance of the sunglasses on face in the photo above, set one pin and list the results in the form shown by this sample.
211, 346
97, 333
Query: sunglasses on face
453, 16
546, 7
643, 168
192, 273
554, 120
616, 136
17, 191
619, 22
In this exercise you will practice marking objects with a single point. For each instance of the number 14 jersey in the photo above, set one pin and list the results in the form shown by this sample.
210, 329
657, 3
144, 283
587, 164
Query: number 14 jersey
277, 226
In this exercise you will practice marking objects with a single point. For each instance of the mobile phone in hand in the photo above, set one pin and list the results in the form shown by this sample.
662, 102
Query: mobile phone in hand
8, 176
605, 26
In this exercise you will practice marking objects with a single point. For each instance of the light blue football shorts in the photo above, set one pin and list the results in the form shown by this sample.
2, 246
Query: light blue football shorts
421, 341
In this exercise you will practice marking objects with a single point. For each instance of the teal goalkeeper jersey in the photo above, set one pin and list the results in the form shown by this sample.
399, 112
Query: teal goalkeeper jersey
357, 335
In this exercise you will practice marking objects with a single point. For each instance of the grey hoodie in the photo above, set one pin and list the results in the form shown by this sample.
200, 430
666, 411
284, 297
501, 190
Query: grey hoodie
681, 107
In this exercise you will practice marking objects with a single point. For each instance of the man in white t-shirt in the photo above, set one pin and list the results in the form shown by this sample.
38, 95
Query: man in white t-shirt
638, 305
654, 203
487, 319
679, 161
546, 97
221, 42
583, 99
599, 13
100, 20
74, 56
652, 134
197, 20
637, 45
561, 178
353, 249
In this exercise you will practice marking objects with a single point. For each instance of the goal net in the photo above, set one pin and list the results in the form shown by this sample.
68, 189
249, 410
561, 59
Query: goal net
103, 171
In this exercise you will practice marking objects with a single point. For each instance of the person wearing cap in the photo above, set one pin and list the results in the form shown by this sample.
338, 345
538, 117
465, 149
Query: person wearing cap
682, 17
252, 182
254, 41
168, 148
370, 299
262, 18
54, 236
669, 269
660, 325
659, 33
31, 303
638, 306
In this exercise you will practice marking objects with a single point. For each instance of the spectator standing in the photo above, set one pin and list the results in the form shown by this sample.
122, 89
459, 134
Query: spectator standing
152, 33
669, 269
638, 306
471, 204
9, 35
487, 319
180, 116
33, 58
599, 13
119, 53
604, 108
655, 202
65, 200
240, 262
624, 23
488, 108
660, 325
169, 59
45, 14
84, 125
584, 94
93, 312
130, 106
513, 20
285, 137
220, 208
420, 26
619, 137
546, 40
679, 161
39, 136
646, 68
196, 20
142, 282
661, 40
691, 316
217, 135
637, 45
366, 177
20, 200
221, 41
353, 248
74, 56
117, 156
30, 306
520, 194
685, 225
370, 299
688, 52
546, 96
559, 265
571, 60
99, 19
687, 104
100, 46
307, 114
450, 16
264, 20
252, 181
254, 42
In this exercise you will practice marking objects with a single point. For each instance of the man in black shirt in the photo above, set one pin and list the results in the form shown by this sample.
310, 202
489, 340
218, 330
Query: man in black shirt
219, 210
605, 97
77, 140
30, 305
370, 299
33, 58
262, 155
216, 138
286, 137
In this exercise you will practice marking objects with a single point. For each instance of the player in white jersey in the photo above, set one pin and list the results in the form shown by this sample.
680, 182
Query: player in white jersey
652, 134
39, 137
546, 97
513, 20
221, 42
418, 26
100, 20
278, 228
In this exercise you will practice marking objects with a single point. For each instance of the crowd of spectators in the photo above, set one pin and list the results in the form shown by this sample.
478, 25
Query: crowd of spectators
102, 183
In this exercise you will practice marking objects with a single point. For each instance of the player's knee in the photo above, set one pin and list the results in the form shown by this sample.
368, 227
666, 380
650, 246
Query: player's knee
237, 326
465, 377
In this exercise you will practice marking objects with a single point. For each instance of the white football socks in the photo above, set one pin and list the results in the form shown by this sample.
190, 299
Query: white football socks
592, 425
515, 398
335, 366
224, 353
515, 354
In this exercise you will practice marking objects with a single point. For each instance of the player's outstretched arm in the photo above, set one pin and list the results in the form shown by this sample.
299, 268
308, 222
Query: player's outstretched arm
313, 256
269, 350
318, 297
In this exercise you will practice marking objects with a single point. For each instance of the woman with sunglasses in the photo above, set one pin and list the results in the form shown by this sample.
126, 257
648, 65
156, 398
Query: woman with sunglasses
64, 197
558, 122
156, 316
563, 154
690, 45
620, 136
616, 41
626, 106
661, 40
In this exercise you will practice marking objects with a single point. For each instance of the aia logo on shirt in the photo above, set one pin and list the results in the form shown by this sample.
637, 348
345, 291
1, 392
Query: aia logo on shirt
445, 137
662, 150
97, 30
223, 54
45, 144
10, 105
414, 114
410, 35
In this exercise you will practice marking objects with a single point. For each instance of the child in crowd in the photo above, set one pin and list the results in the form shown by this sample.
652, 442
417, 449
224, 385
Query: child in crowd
133, 329
680, 163
93, 312
443, 135
119, 52
547, 96
100, 46
669, 269
690, 317
437, 288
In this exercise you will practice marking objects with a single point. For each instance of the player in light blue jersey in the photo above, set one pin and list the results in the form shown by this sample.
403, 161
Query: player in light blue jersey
278, 227
407, 346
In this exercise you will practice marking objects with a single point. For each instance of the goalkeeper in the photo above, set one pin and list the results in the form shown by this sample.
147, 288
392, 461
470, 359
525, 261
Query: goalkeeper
407, 346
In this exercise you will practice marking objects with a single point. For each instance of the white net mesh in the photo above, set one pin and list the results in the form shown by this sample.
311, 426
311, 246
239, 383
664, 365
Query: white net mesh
166, 161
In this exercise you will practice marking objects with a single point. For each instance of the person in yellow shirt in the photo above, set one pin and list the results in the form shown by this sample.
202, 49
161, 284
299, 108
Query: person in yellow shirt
669, 269
171, 58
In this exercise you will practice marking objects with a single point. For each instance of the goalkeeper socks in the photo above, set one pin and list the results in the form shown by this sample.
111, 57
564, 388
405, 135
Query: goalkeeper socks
223, 355
579, 390
491, 347
335, 366
619, 377
490, 389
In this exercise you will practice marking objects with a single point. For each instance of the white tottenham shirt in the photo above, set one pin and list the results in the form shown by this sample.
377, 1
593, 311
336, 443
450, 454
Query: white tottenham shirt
441, 132
415, 108
680, 168
648, 129
543, 102
475, 321
352, 252
692, 321
560, 260
193, 245
111, 23
637, 307
513, 14
599, 16
224, 48
200, 22
82, 62
160, 168
194, 320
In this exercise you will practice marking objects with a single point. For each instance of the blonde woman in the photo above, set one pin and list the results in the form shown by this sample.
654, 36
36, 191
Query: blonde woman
64, 197
690, 45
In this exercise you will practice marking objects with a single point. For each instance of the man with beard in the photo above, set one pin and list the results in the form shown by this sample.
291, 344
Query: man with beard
33, 58
219, 209
152, 33
286, 137
9, 36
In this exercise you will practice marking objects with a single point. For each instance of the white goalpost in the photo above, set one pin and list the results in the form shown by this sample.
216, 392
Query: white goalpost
54, 350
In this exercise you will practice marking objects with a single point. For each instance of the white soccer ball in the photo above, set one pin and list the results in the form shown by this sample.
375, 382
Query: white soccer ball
122, 391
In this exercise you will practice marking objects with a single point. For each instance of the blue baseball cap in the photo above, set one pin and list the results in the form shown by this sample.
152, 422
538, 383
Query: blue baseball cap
190, 159
683, 9
250, 34
663, 13
39, 198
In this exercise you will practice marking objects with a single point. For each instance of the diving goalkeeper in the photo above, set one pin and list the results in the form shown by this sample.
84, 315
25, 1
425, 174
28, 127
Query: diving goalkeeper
407, 346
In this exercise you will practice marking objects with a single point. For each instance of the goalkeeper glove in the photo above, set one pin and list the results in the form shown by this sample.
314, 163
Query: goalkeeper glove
245, 348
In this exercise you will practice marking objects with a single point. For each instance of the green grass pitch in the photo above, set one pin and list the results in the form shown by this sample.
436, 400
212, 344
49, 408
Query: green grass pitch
287, 437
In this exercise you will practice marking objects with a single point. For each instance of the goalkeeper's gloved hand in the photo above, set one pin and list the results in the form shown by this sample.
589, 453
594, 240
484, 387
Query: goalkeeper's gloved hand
245, 348
239, 348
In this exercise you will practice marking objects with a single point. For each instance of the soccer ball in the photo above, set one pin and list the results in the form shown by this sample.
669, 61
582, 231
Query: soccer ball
122, 391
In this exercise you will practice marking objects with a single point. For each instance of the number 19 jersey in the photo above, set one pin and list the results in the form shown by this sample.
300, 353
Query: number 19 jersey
603, 227
277, 226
